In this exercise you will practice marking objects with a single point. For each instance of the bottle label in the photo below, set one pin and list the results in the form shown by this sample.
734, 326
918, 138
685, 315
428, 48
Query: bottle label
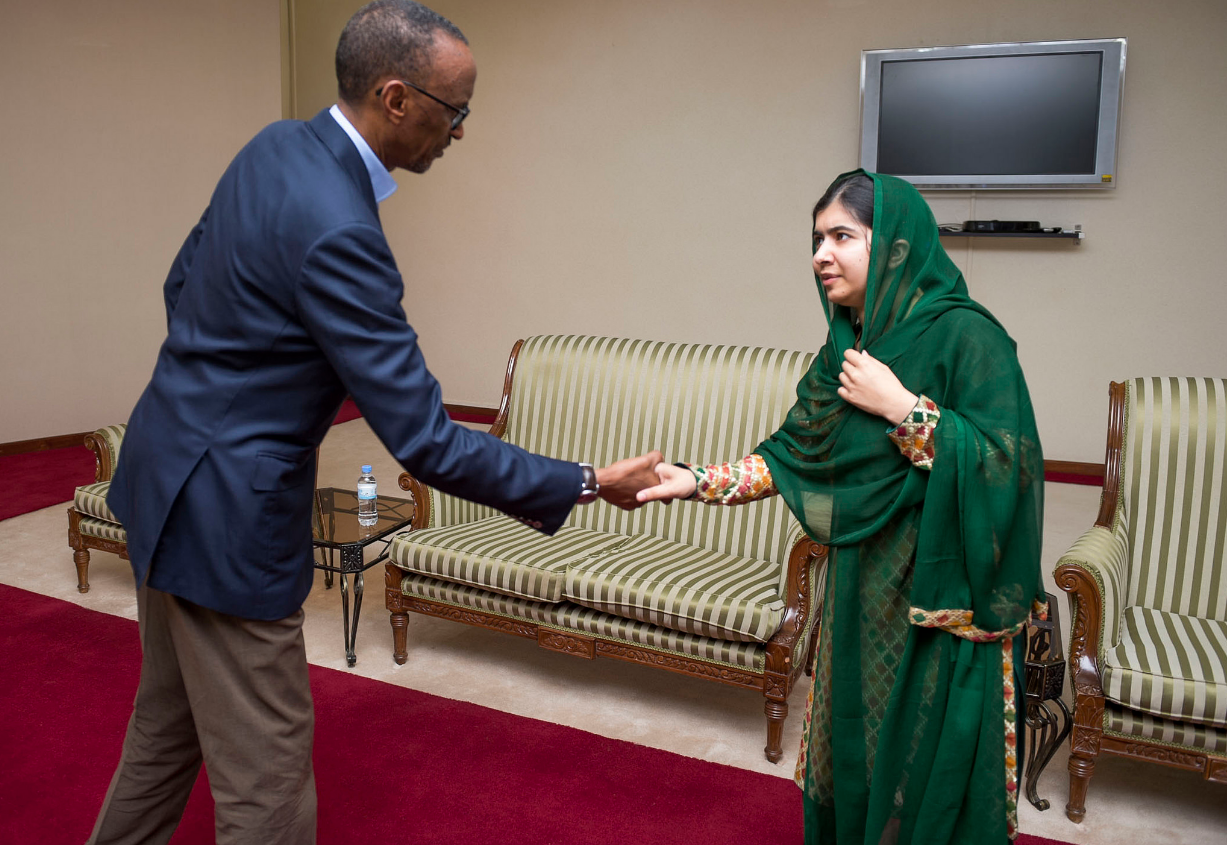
366, 491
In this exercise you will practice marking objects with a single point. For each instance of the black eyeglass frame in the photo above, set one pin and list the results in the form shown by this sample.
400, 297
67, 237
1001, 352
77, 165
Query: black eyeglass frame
461, 112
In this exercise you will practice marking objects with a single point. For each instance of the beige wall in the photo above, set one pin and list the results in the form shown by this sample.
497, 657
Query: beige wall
632, 168
119, 118
645, 168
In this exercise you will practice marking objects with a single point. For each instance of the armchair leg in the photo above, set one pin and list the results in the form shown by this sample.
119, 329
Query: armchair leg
80, 557
1080, 770
400, 625
777, 712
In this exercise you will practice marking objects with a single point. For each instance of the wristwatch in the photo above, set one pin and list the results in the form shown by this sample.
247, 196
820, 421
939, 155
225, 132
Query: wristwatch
588, 492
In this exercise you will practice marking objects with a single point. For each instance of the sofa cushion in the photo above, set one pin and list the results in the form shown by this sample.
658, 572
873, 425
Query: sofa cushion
1169, 665
103, 529
1191, 735
565, 616
92, 500
500, 554
682, 587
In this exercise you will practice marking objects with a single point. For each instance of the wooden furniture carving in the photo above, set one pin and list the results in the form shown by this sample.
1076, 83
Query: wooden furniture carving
723, 594
91, 525
1148, 646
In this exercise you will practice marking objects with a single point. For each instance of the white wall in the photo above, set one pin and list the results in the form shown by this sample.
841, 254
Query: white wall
119, 119
645, 168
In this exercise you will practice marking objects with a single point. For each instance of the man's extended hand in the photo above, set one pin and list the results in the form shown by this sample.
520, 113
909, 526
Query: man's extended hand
622, 480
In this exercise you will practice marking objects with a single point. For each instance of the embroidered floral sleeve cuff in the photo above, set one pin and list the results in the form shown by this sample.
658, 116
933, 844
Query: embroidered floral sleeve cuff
747, 480
914, 436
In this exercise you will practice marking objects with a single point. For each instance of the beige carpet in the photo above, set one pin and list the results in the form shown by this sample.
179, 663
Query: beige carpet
1128, 803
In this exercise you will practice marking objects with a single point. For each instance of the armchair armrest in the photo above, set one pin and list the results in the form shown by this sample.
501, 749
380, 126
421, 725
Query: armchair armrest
1095, 571
105, 443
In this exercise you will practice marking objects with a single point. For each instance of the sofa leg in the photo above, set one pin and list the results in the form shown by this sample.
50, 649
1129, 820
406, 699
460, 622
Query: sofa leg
80, 557
777, 712
400, 625
1080, 771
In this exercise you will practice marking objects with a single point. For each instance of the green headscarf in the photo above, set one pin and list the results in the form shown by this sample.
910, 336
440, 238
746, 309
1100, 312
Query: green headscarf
844, 479
913, 710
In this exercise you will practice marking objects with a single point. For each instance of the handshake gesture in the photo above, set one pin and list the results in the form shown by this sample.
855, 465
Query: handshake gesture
632, 482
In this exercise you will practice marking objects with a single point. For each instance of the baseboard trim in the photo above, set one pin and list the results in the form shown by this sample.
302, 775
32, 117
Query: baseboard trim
1061, 472
1073, 472
42, 444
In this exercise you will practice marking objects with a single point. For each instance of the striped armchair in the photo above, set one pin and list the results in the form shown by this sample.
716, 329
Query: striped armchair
1148, 652
725, 594
91, 525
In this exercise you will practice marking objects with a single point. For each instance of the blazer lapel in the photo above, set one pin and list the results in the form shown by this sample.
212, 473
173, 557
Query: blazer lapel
329, 131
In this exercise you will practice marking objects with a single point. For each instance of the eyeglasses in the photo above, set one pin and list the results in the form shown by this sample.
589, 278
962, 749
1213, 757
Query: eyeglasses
461, 113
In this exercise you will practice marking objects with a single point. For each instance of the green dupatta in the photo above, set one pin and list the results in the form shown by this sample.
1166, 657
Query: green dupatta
910, 738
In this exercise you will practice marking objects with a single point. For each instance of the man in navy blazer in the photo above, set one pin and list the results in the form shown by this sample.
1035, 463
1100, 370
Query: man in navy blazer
284, 298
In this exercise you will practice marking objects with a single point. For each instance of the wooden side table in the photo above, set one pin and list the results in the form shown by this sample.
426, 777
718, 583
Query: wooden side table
1045, 676
335, 528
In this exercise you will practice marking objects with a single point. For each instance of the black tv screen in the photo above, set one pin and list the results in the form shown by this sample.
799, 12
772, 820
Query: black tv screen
994, 115
990, 115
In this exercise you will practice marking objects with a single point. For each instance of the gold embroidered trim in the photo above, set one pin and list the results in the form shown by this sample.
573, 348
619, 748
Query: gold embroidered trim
914, 436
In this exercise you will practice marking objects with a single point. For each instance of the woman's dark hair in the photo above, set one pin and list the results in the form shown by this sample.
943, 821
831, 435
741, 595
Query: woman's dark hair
855, 194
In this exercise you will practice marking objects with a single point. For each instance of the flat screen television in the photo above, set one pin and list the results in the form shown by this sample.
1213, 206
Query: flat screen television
1042, 114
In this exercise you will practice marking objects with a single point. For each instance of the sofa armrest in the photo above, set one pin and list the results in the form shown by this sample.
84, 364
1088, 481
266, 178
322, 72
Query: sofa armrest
1095, 571
786, 648
422, 500
105, 443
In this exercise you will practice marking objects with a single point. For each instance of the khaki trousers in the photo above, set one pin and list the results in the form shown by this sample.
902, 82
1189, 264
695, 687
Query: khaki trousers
231, 692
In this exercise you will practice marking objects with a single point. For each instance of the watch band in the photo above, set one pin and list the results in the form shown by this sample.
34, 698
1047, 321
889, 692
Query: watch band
590, 488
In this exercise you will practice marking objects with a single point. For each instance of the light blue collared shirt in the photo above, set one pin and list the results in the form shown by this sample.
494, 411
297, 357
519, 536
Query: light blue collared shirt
381, 180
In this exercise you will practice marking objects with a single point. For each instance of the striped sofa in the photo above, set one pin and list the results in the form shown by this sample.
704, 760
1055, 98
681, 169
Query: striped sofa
725, 594
91, 525
1148, 652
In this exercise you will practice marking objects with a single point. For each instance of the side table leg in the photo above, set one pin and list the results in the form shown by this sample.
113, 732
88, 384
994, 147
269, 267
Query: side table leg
328, 572
1048, 738
351, 562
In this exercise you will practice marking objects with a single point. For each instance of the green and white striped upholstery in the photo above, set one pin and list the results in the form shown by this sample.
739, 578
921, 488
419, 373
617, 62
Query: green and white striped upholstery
1173, 494
105, 529
500, 554
92, 501
1170, 665
1127, 723
712, 573
676, 586
570, 617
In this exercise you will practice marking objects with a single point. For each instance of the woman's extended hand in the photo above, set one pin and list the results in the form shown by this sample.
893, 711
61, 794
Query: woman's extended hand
870, 385
675, 483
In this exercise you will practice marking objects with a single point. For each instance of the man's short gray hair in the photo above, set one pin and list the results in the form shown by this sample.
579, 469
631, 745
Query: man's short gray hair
387, 38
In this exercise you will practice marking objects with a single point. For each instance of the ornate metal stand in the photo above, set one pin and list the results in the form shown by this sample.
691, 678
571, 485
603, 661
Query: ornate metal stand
336, 529
1045, 674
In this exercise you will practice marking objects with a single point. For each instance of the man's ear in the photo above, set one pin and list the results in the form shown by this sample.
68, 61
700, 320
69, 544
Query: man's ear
899, 251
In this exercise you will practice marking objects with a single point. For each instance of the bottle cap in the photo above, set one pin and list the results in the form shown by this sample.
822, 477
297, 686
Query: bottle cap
366, 469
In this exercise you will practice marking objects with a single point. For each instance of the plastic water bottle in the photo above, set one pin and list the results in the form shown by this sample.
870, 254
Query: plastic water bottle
368, 511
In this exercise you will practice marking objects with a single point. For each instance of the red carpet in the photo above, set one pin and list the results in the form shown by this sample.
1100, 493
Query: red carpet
39, 480
392, 765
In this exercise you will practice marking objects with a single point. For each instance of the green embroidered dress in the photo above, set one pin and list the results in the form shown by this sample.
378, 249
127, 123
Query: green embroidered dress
934, 564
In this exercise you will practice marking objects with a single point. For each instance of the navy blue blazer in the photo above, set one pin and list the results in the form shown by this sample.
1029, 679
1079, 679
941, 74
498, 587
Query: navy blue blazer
284, 298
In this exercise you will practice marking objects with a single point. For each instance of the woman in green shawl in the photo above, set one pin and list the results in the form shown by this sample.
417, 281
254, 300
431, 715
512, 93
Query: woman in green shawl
933, 524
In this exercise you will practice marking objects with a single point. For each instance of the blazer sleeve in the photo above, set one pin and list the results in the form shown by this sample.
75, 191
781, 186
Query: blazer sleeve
179, 268
348, 296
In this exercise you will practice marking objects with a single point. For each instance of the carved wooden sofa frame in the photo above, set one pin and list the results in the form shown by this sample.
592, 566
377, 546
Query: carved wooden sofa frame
786, 655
